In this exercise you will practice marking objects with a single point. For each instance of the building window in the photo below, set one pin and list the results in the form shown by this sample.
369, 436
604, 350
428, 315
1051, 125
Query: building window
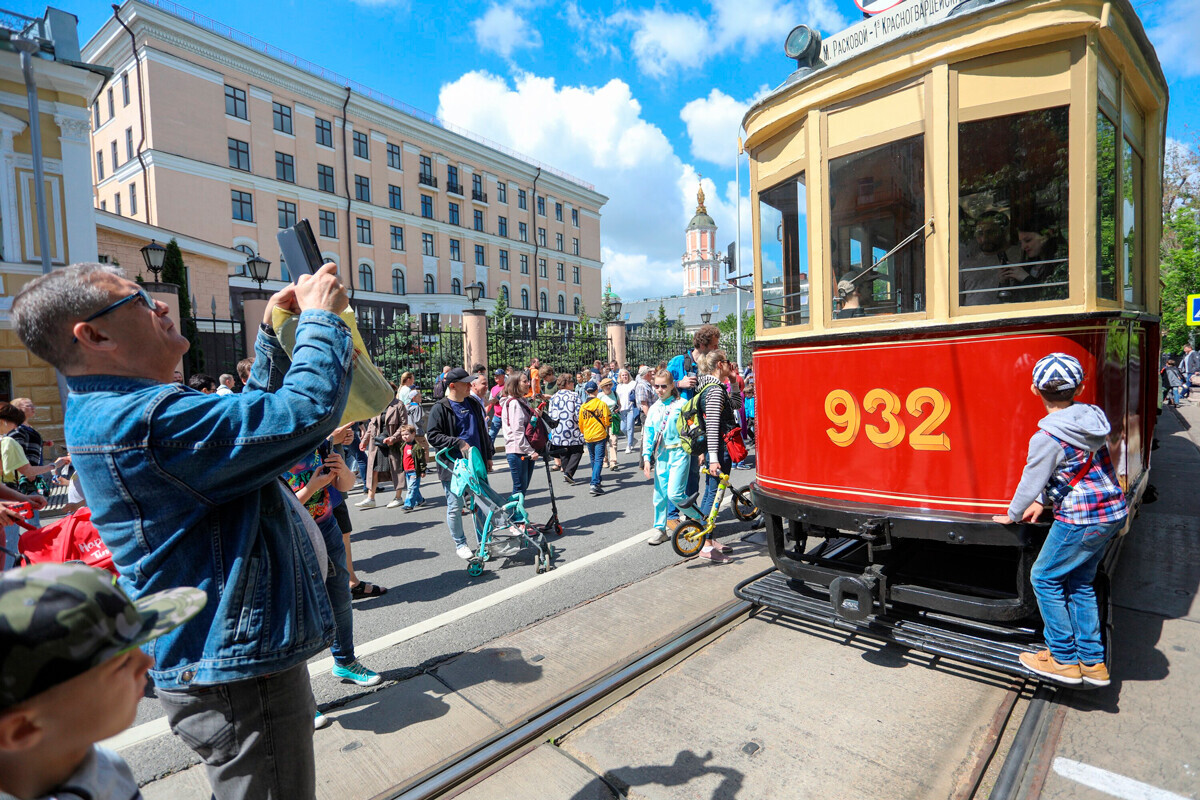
324, 132
393, 156
328, 223
558, 242
455, 286
125, 89
541, 237
558, 211
366, 278
575, 217
543, 302
504, 294
362, 188
504, 260
453, 214
112, 109
133, 199
562, 304
478, 216
285, 168
362, 145
455, 250
502, 192
325, 178
522, 231
426, 206
243, 206
502, 226
113, 150
397, 237
452, 184
477, 189
364, 230
395, 198
117, 203
574, 246
575, 275
281, 116
541, 205
480, 260
542, 268
426, 174
397, 281
287, 213
104, 205
430, 287
100, 164
128, 143
427, 244
235, 102
577, 307
95, 115
524, 265
524, 298
521, 201
562, 276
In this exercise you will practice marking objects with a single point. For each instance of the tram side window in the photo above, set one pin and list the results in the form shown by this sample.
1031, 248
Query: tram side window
877, 214
783, 253
1012, 199
1131, 215
1106, 208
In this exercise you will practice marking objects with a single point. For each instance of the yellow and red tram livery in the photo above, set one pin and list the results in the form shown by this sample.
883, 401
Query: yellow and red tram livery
946, 192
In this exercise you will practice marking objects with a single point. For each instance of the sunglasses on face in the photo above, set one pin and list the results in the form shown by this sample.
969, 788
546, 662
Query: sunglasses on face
662, 386
140, 294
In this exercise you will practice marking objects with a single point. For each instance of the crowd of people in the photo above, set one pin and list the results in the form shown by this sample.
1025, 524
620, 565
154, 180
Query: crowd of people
226, 515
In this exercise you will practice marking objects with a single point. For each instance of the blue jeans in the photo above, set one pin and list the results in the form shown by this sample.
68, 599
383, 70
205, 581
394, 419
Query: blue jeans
1062, 582
454, 517
596, 453
494, 426
337, 584
712, 481
413, 496
629, 417
521, 469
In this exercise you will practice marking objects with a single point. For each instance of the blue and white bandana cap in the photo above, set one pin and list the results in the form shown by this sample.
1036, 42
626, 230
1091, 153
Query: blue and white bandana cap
1059, 369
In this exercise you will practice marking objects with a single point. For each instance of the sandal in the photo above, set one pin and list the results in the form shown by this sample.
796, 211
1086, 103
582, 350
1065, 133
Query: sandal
362, 590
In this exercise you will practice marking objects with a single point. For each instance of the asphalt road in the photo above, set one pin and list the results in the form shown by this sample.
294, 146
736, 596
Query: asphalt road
413, 556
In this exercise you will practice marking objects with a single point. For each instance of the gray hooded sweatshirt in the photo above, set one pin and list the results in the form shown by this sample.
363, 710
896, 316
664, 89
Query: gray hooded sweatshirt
1081, 425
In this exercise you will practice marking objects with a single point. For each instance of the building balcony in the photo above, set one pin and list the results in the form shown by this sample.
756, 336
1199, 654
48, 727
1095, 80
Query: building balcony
480, 197
454, 188
427, 180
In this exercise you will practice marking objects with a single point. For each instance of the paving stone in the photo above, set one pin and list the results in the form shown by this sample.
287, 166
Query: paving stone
545, 773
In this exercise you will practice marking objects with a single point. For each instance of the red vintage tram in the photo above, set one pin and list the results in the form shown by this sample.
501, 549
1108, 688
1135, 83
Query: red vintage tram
946, 192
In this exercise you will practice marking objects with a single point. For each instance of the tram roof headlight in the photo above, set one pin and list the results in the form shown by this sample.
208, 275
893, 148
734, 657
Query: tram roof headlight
803, 44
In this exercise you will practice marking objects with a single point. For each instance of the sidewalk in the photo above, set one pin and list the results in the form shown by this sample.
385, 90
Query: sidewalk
1139, 737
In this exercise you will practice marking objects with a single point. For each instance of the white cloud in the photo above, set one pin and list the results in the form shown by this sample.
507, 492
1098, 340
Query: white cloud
1173, 32
502, 30
593, 33
664, 40
712, 124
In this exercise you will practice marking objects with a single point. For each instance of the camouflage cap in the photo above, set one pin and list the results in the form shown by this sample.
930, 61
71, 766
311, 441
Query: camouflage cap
57, 621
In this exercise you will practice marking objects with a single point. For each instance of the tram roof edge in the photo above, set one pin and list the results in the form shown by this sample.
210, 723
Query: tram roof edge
965, 9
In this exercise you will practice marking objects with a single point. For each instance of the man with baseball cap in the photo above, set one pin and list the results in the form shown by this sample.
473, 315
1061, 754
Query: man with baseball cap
456, 423
71, 674
1069, 467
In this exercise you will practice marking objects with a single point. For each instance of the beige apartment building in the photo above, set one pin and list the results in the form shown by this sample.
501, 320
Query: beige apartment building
226, 139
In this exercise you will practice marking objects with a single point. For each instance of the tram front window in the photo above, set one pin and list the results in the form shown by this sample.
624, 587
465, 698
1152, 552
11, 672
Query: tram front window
783, 253
877, 214
1012, 198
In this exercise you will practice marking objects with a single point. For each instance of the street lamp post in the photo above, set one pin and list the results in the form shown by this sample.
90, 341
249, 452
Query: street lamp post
259, 268
474, 291
154, 254
705, 317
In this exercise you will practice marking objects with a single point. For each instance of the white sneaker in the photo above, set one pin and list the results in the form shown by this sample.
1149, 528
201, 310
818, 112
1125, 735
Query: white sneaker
659, 537
464, 552
627, 451
366, 502
395, 504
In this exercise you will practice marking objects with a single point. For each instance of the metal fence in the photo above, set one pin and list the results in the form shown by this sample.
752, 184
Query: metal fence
220, 345
566, 347
654, 348
410, 347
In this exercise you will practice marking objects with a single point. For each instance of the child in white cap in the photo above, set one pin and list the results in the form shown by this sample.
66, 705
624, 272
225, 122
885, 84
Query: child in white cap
1068, 467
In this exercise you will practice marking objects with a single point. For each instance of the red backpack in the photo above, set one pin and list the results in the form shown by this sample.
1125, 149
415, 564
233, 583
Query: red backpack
72, 538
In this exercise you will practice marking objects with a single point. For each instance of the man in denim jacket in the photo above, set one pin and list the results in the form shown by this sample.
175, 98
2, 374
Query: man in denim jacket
185, 490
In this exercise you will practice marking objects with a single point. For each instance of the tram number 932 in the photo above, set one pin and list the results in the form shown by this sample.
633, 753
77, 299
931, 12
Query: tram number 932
928, 407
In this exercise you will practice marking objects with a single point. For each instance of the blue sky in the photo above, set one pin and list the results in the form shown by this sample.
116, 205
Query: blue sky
638, 98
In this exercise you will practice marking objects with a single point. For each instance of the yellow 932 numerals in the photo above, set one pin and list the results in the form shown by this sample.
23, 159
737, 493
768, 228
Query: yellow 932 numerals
929, 408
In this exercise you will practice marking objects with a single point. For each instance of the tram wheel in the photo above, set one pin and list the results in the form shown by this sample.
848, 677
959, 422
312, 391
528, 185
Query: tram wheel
687, 539
744, 509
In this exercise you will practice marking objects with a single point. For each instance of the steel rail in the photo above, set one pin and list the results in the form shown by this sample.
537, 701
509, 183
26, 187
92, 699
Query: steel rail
1025, 745
492, 750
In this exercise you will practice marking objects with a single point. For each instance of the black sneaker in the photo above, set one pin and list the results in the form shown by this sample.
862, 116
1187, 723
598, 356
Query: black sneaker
570, 481
596, 490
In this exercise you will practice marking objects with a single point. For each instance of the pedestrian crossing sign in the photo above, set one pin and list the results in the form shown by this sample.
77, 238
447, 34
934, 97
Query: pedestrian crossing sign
1193, 310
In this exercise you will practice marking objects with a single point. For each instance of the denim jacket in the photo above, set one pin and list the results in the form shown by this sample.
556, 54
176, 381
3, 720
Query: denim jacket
185, 490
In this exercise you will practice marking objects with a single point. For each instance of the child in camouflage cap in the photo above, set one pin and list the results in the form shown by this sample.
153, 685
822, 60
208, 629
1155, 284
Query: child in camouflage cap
71, 674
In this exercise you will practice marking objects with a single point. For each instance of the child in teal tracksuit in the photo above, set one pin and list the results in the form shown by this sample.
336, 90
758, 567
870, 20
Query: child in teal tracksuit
662, 453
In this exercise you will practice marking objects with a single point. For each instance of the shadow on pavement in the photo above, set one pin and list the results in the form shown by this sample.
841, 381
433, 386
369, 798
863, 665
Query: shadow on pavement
687, 766
390, 558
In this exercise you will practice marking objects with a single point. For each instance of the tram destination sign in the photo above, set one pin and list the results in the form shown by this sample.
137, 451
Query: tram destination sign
901, 19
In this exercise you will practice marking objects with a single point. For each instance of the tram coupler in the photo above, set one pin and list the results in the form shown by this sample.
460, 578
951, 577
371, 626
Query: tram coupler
853, 596
877, 533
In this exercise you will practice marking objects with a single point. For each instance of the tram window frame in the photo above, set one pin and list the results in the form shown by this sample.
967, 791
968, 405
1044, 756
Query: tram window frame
1107, 192
1133, 188
803, 255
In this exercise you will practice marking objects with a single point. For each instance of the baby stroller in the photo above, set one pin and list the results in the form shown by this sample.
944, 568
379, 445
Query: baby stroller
506, 528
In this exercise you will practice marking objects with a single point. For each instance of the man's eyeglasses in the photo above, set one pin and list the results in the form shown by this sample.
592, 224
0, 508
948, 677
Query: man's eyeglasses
140, 294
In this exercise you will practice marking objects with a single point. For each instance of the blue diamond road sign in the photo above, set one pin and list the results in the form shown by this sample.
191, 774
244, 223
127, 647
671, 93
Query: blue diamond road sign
1193, 310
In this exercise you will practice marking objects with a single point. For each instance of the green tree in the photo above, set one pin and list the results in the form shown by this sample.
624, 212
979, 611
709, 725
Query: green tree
503, 350
606, 310
1180, 262
728, 329
175, 272
664, 324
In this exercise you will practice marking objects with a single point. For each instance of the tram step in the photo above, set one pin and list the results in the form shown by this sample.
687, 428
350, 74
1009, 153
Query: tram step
982, 646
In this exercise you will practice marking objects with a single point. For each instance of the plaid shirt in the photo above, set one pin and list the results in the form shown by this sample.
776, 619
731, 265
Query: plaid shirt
1097, 497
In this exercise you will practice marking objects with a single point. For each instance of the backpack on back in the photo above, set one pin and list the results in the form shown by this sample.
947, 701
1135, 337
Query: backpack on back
690, 422
439, 388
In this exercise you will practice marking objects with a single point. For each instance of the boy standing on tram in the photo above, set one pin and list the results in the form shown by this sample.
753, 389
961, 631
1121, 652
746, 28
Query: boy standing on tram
1069, 465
